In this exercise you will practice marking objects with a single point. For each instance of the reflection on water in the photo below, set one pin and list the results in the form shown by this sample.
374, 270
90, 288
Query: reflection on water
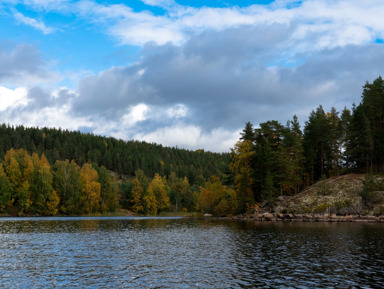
185, 253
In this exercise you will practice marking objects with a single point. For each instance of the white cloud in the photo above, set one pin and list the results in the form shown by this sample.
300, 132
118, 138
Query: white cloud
18, 108
177, 111
205, 69
55, 117
317, 24
38, 25
160, 3
158, 31
135, 114
192, 137
10, 99
56, 5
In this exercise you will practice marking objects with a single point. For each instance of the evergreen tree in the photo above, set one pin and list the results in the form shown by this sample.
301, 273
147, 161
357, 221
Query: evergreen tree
316, 144
248, 133
242, 167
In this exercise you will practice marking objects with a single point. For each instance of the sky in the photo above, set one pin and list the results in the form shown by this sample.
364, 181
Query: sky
183, 73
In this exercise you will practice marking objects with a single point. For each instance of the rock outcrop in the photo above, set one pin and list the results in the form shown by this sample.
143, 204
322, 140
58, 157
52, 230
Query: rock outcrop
338, 199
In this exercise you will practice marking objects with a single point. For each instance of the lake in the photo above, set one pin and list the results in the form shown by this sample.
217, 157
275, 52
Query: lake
124, 252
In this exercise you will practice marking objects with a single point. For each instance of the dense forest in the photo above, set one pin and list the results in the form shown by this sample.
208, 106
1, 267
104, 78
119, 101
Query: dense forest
122, 157
275, 159
47, 171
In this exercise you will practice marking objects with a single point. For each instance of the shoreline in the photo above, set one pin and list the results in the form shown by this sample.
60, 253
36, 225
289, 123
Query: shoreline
309, 217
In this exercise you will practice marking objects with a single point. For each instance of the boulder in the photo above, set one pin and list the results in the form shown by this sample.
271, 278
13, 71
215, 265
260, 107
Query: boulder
268, 217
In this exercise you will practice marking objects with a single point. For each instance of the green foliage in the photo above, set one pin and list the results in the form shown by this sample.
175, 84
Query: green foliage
108, 190
242, 159
5, 189
324, 187
342, 204
321, 208
122, 157
68, 186
371, 186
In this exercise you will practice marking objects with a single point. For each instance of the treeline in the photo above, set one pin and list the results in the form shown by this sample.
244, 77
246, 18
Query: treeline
52, 171
29, 185
275, 159
122, 157
49, 171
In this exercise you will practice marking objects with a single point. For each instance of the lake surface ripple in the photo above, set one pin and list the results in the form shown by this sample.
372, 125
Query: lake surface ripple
187, 253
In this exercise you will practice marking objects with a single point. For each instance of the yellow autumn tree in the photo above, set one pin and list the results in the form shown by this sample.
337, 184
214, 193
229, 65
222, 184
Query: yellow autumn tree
217, 199
158, 188
90, 189
44, 198
149, 203
19, 169
137, 196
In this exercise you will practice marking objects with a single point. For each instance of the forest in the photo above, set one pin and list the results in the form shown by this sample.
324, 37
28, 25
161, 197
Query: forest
47, 171
275, 159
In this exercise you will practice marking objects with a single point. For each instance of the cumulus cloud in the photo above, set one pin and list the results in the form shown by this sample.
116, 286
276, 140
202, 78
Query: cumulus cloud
225, 89
202, 73
192, 137
40, 108
12, 98
20, 61
318, 24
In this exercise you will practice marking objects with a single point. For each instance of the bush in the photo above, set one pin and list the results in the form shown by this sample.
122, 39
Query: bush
371, 186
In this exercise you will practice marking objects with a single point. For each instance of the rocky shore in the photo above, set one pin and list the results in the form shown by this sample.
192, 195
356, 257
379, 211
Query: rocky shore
347, 198
309, 217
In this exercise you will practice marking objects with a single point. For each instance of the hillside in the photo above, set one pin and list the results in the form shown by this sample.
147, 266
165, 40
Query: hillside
353, 197
122, 157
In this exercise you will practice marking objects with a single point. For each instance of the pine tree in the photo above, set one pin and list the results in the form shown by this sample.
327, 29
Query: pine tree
242, 167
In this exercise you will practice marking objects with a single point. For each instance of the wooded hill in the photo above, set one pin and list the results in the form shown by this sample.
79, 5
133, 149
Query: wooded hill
121, 157
46, 171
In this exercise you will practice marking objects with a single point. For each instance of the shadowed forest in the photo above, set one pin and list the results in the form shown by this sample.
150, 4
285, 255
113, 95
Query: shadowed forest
47, 171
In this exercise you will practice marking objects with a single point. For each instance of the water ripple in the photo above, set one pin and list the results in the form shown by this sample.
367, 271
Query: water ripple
183, 253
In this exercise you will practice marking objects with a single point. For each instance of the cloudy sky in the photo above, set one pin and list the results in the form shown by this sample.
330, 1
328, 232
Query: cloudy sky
184, 73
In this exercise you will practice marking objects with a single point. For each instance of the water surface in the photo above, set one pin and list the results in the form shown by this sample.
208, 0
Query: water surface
186, 253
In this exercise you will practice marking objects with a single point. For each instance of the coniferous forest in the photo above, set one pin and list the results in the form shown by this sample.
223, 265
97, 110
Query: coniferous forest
86, 174
48, 171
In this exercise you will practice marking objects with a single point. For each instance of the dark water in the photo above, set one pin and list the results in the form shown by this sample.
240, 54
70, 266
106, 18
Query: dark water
184, 253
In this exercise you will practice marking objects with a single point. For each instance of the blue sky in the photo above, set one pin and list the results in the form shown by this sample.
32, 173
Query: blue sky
183, 73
